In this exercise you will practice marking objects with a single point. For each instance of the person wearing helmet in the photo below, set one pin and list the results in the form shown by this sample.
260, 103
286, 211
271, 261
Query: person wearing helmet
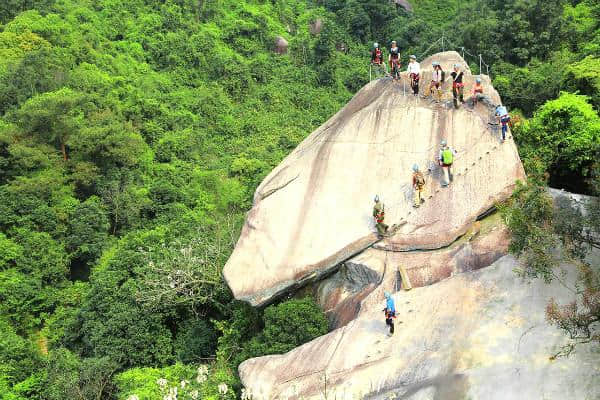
377, 60
394, 60
437, 80
502, 114
418, 181
477, 91
414, 69
445, 160
376, 54
457, 85
379, 215
390, 312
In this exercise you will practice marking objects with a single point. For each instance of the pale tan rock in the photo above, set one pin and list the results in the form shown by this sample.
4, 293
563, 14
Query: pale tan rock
341, 296
476, 335
313, 211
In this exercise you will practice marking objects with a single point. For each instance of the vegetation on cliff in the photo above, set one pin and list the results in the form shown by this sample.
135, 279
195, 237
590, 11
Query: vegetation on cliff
133, 135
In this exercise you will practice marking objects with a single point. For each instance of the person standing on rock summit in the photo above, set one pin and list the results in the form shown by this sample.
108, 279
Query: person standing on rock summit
390, 312
414, 69
394, 60
379, 215
445, 159
457, 85
437, 80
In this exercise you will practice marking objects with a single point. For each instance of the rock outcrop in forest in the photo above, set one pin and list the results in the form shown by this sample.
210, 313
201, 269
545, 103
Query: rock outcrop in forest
313, 211
464, 331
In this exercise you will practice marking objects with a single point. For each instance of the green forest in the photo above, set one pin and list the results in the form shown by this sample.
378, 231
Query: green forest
134, 133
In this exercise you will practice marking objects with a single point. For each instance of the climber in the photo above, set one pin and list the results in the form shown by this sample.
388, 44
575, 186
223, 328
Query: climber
438, 76
504, 118
445, 160
394, 60
390, 312
379, 215
377, 60
457, 85
418, 181
414, 69
477, 91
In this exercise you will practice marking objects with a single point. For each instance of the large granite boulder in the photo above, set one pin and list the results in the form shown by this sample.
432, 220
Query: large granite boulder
313, 211
475, 335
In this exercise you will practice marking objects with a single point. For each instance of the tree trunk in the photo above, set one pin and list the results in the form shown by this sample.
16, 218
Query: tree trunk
64, 150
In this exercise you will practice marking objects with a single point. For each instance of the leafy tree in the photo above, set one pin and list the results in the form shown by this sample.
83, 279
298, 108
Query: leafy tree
70, 377
196, 340
564, 137
537, 226
88, 230
53, 117
18, 356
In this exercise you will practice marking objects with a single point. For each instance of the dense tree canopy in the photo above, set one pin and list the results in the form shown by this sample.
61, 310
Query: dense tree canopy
134, 133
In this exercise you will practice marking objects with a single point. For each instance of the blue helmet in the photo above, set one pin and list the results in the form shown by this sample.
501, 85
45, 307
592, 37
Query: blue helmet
478, 80
415, 167
387, 295
375, 45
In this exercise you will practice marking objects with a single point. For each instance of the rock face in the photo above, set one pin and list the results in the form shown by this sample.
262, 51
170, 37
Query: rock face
313, 211
476, 335
341, 295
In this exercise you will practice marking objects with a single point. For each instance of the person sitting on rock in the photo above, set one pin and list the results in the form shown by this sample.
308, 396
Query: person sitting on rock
445, 160
502, 114
414, 69
390, 312
457, 85
379, 215
437, 80
394, 60
418, 181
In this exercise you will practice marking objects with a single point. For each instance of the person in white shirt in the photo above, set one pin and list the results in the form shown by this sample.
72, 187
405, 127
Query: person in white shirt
437, 80
414, 69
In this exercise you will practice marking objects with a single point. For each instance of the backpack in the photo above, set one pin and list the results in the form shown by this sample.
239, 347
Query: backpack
447, 156
443, 75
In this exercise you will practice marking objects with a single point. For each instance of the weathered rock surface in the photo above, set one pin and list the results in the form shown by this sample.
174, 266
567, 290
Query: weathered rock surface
314, 210
341, 295
476, 335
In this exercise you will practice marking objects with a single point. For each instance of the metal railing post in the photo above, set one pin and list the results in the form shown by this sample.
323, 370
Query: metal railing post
443, 48
480, 64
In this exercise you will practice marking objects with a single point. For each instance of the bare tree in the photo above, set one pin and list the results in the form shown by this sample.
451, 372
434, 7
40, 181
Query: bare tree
187, 273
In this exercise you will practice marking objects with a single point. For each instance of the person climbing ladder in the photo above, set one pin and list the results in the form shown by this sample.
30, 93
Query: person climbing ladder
418, 181
379, 215
390, 312
445, 160
502, 114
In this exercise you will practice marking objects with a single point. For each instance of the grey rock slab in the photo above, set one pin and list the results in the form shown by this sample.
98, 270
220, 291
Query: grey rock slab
476, 335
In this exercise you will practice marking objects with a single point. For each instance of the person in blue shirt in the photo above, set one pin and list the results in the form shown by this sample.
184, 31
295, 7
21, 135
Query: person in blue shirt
390, 312
502, 114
